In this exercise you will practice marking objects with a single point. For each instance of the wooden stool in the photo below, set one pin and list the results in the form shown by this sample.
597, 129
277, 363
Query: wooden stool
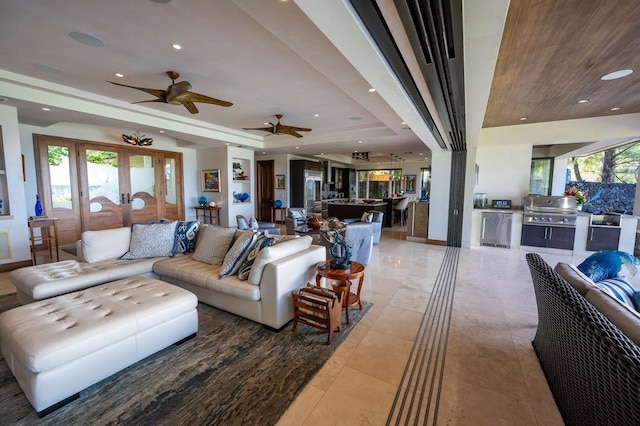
318, 307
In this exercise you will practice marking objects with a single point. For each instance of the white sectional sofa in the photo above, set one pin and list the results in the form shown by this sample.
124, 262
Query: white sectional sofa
264, 297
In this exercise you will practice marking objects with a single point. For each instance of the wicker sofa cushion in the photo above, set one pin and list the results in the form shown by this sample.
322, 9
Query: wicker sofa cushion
621, 315
575, 277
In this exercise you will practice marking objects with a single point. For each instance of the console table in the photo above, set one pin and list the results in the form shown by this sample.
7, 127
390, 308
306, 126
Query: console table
343, 285
48, 236
210, 215
278, 211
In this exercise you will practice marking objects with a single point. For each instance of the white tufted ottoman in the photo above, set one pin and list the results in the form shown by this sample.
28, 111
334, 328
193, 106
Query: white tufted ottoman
59, 346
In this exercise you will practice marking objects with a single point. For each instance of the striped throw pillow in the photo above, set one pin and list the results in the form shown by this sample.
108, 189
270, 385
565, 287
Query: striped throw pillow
620, 288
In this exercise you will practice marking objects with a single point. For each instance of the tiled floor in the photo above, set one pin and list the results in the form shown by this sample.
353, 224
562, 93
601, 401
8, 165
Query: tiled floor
491, 374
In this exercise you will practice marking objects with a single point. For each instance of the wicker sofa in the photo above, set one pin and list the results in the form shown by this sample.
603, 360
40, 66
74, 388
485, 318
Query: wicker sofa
592, 367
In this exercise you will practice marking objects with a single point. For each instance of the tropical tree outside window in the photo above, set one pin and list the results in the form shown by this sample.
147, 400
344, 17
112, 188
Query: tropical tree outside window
614, 165
379, 183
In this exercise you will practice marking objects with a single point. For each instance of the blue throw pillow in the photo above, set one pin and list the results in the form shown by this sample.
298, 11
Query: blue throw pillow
261, 242
607, 264
620, 288
185, 241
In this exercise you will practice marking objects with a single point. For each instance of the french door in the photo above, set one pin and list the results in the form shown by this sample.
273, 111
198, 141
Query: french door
91, 186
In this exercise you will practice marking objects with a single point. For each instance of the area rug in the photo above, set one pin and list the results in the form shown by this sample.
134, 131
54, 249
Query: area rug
234, 372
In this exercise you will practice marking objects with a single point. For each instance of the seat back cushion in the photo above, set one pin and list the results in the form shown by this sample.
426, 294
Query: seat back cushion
575, 277
105, 244
619, 313
213, 244
275, 252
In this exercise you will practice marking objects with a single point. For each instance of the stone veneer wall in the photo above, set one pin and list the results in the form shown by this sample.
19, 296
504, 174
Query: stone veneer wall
607, 197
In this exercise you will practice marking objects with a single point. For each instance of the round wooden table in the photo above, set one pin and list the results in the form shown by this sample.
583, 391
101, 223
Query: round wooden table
343, 285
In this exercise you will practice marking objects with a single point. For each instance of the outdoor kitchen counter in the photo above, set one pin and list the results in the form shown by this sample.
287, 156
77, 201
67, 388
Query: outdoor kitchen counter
628, 227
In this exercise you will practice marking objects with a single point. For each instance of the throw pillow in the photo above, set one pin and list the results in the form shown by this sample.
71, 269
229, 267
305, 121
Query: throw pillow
620, 288
237, 254
151, 240
213, 244
275, 252
297, 215
186, 236
366, 217
635, 297
608, 264
253, 223
261, 242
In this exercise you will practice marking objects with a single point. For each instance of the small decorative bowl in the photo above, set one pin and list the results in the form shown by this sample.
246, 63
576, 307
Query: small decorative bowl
242, 196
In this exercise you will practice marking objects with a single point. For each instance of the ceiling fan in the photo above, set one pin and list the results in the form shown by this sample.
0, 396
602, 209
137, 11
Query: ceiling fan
177, 93
281, 129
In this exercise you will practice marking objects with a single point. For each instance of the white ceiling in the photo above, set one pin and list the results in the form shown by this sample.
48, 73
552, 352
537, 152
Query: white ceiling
266, 57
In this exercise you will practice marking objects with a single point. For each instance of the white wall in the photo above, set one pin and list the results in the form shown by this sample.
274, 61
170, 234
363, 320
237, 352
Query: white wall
15, 224
504, 172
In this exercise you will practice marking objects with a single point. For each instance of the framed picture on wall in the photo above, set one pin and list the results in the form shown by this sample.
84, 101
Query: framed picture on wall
410, 184
279, 181
211, 180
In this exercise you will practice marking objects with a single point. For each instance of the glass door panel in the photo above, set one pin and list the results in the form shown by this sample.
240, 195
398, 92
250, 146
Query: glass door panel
103, 190
171, 206
141, 198
60, 177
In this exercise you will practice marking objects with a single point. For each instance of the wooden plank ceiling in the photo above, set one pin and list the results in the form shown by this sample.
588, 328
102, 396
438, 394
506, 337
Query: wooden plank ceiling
553, 53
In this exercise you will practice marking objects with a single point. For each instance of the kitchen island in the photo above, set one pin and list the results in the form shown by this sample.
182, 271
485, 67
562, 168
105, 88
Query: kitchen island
352, 209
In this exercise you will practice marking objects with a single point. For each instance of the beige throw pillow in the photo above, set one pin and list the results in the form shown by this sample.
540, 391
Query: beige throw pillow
213, 244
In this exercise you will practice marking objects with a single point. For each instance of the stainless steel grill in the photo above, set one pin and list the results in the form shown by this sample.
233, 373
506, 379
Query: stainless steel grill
553, 210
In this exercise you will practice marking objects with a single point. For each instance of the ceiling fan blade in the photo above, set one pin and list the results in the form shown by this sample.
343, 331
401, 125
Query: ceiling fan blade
197, 97
297, 129
176, 89
262, 129
290, 132
128, 139
190, 106
155, 92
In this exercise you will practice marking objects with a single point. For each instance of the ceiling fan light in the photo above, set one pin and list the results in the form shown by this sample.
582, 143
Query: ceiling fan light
616, 74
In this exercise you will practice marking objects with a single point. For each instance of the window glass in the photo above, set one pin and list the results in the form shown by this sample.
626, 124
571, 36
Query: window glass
540, 178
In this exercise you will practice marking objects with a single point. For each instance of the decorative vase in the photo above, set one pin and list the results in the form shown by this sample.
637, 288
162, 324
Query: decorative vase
202, 201
212, 204
579, 207
38, 207
277, 203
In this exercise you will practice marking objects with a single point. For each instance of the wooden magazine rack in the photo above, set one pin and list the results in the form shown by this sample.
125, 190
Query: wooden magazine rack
318, 307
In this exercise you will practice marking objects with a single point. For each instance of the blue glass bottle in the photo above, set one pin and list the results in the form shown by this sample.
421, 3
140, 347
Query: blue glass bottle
38, 206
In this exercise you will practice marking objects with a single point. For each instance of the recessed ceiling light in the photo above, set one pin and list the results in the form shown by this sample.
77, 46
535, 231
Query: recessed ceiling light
47, 68
322, 153
615, 109
86, 39
359, 141
266, 124
316, 115
46, 109
583, 101
161, 131
616, 74
372, 90
420, 154
176, 46
355, 150
119, 75
523, 118
227, 144
297, 147
404, 122
263, 152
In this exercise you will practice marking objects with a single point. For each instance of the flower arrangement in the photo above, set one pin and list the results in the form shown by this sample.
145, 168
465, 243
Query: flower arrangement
580, 195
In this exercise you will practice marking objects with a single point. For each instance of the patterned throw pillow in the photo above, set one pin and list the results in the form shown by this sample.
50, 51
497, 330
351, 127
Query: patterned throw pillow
620, 288
261, 242
186, 236
366, 217
237, 253
253, 223
151, 240
213, 244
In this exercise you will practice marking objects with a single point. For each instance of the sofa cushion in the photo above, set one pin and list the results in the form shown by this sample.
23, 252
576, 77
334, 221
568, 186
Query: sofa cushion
608, 264
237, 253
261, 242
619, 288
151, 240
213, 244
105, 244
575, 277
275, 252
621, 315
185, 238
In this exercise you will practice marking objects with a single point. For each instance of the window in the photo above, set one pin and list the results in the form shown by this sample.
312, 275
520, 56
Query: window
541, 174
379, 183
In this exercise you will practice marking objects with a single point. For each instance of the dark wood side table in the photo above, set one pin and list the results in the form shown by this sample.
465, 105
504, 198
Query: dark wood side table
278, 212
48, 237
210, 215
343, 285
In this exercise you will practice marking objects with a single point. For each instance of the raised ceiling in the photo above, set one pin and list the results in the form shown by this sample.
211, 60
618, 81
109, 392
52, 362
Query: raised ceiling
552, 55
